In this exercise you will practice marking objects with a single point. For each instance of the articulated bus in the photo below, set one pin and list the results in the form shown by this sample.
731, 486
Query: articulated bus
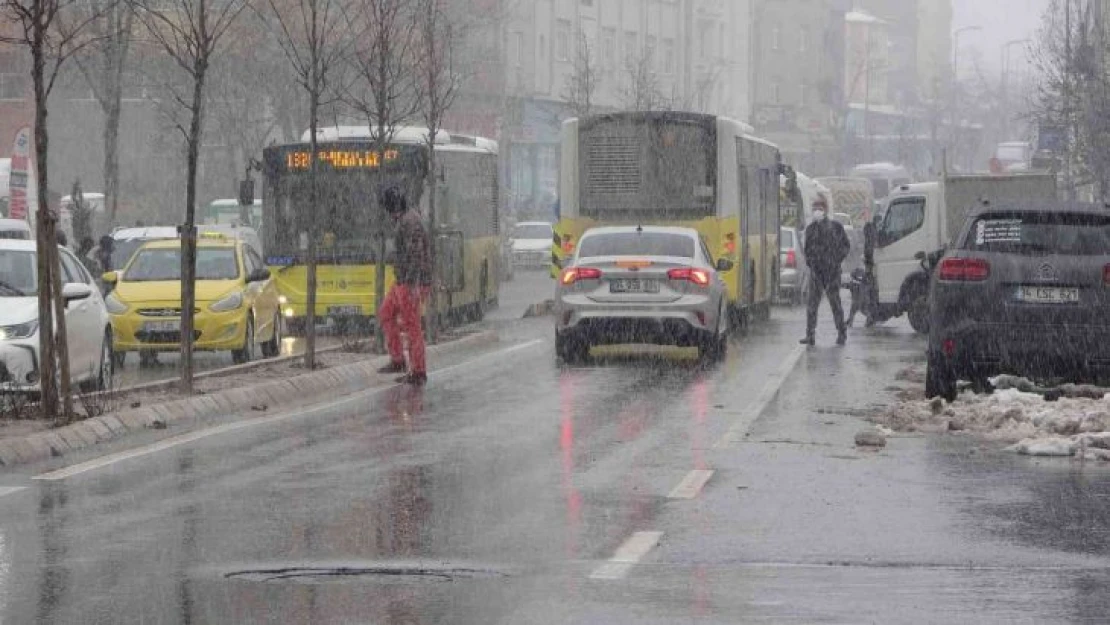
677, 169
350, 222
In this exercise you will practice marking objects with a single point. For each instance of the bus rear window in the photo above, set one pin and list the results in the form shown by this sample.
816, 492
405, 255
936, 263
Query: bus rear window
1069, 234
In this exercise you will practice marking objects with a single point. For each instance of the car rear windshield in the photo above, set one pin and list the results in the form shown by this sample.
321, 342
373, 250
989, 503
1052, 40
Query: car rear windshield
1071, 234
532, 231
165, 264
637, 244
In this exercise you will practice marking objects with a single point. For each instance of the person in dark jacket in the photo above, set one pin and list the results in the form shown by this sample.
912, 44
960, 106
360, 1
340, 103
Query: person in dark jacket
412, 268
826, 247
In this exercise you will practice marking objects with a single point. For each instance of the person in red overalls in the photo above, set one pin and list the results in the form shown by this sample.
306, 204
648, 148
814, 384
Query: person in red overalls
412, 269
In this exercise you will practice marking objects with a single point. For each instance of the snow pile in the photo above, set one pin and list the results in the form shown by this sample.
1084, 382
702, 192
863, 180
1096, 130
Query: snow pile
1070, 420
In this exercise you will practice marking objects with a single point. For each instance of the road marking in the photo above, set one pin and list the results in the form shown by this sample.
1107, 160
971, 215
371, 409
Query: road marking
691, 485
764, 399
628, 555
169, 443
8, 490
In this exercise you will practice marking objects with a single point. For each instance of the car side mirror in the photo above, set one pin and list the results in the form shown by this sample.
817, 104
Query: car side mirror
76, 291
110, 277
724, 264
259, 275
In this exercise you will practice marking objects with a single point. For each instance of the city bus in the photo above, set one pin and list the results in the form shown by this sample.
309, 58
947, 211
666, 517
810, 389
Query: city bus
227, 212
681, 169
350, 223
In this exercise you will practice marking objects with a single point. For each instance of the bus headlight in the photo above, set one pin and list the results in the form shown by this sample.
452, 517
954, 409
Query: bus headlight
283, 300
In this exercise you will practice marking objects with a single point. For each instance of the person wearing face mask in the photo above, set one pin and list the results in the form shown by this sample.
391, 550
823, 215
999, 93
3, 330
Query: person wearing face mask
826, 247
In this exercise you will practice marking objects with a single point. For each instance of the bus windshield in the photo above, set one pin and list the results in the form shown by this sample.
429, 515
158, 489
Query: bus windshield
346, 213
660, 165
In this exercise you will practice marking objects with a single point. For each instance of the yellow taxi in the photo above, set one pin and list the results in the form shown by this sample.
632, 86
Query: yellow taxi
236, 301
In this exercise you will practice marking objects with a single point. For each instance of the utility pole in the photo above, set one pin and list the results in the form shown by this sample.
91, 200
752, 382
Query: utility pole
1069, 183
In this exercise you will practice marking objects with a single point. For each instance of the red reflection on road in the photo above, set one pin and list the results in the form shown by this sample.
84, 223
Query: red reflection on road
573, 498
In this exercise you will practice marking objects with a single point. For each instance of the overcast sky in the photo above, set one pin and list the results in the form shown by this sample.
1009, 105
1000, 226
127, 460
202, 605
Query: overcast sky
1001, 21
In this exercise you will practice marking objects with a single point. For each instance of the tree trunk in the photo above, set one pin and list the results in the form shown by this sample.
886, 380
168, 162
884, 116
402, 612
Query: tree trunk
189, 231
433, 295
111, 155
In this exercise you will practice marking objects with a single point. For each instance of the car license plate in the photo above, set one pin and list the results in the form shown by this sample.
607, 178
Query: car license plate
1048, 294
162, 326
345, 311
633, 285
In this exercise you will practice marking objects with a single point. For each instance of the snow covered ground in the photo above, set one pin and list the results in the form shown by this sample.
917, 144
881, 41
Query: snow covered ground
1069, 420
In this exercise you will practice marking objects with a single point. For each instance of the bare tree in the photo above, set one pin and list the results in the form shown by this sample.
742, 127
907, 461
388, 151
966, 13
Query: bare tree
581, 84
383, 89
314, 38
53, 31
190, 33
642, 91
102, 66
439, 87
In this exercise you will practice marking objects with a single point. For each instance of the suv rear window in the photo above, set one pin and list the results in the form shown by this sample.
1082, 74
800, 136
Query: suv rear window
637, 244
1034, 234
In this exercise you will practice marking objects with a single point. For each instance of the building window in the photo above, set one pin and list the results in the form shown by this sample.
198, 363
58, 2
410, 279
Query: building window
803, 40
562, 40
668, 56
631, 46
516, 47
609, 47
543, 48
776, 39
649, 52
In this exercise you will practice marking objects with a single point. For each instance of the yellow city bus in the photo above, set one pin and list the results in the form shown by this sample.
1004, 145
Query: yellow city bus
679, 169
350, 223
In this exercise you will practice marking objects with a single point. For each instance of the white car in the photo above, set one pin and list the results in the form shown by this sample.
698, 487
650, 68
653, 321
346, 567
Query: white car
532, 244
88, 326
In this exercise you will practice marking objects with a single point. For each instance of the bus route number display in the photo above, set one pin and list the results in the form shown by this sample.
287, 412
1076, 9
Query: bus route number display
301, 160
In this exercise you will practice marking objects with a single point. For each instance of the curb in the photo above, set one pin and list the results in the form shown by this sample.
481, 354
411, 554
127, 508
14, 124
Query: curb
58, 442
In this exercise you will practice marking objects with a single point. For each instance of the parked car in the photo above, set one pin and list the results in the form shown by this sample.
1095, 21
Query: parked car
531, 244
237, 302
646, 284
88, 327
1025, 290
793, 272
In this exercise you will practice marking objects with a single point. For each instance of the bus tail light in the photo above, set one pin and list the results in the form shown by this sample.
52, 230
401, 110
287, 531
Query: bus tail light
964, 270
697, 276
576, 274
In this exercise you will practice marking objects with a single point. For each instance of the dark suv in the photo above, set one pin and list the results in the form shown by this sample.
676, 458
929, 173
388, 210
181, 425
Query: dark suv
1026, 291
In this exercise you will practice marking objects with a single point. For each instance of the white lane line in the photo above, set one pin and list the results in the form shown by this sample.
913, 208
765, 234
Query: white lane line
765, 397
9, 490
628, 554
691, 485
169, 443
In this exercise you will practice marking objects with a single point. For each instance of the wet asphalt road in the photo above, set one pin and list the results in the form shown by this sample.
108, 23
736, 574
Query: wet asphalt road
498, 493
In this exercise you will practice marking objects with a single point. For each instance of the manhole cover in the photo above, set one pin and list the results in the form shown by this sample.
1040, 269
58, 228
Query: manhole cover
402, 573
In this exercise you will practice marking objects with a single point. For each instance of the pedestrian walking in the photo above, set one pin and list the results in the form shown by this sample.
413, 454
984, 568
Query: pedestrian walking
412, 268
826, 247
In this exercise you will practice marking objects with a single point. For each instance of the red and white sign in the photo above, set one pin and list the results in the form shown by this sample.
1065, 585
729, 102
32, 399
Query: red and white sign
17, 183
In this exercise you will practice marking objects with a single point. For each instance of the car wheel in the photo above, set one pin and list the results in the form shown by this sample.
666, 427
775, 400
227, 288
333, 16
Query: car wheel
246, 353
940, 378
106, 376
918, 314
272, 347
570, 349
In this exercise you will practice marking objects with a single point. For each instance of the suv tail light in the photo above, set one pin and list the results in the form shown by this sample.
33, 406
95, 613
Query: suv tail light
791, 260
964, 270
697, 276
575, 274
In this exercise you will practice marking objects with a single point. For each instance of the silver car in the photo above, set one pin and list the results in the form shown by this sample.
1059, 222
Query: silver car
641, 285
793, 272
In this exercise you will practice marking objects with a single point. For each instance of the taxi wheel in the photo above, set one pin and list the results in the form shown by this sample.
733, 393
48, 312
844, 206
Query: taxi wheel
246, 353
272, 347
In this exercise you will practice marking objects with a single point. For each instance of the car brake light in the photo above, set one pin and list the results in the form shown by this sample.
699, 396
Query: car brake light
791, 260
964, 269
697, 276
574, 274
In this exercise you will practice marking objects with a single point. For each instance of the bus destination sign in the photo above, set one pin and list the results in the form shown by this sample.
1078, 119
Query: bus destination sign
300, 160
